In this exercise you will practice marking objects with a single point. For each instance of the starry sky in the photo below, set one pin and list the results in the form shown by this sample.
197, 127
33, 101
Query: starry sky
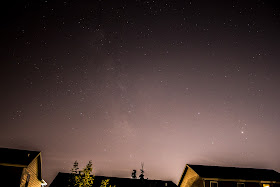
164, 82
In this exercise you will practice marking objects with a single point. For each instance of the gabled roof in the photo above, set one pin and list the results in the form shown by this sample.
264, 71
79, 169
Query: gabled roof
62, 180
16, 157
235, 173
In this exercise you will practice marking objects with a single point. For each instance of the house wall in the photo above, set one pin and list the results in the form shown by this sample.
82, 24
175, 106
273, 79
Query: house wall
33, 170
191, 179
206, 183
252, 184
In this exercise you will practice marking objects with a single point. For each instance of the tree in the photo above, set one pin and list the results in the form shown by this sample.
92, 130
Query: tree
133, 174
141, 176
105, 183
82, 178
75, 168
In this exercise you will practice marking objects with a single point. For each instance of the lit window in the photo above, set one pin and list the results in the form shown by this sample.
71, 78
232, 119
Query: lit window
240, 185
266, 185
213, 184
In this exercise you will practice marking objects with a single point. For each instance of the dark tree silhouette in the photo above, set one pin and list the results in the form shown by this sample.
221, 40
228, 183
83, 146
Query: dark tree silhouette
75, 168
141, 176
133, 174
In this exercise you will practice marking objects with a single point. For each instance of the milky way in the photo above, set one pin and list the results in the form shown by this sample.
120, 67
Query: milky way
124, 82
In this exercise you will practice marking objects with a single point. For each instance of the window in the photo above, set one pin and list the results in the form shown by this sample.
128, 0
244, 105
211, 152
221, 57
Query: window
240, 185
27, 180
266, 185
213, 184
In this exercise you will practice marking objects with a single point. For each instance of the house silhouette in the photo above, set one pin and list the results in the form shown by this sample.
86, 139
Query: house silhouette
20, 168
218, 176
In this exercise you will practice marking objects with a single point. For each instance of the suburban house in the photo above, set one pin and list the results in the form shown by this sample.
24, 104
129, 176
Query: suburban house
217, 176
63, 180
20, 168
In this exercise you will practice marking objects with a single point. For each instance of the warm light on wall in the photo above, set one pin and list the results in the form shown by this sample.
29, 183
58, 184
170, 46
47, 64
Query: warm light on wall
43, 183
266, 185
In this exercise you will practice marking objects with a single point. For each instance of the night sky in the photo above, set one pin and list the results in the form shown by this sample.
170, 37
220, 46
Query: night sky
164, 82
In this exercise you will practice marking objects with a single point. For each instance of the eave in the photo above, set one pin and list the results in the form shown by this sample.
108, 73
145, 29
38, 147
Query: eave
241, 180
13, 165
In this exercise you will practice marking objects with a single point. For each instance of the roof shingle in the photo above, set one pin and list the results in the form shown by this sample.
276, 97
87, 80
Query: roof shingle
17, 157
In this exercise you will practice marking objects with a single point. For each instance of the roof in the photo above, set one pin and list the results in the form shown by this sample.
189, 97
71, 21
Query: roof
234, 173
21, 158
62, 180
